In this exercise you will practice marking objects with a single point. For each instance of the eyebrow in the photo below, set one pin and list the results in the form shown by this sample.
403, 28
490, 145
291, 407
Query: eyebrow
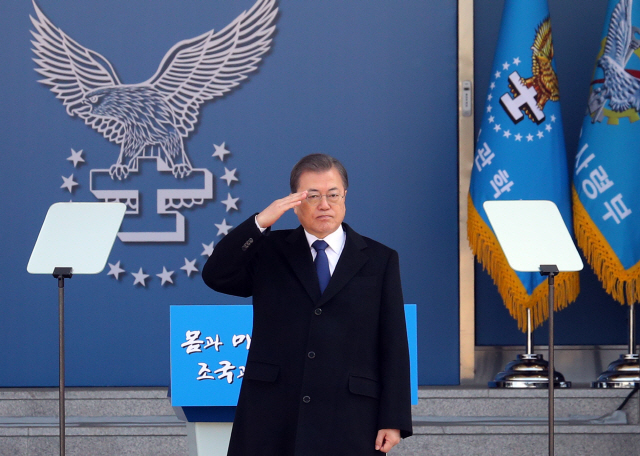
314, 190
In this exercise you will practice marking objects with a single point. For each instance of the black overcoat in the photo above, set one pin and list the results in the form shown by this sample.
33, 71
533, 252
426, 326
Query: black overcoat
324, 372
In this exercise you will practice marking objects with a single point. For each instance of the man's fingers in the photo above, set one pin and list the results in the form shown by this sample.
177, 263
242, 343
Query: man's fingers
274, 211
379, 439
387, 439
295, 199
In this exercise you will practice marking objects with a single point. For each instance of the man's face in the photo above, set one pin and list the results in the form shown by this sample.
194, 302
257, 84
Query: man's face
325, 218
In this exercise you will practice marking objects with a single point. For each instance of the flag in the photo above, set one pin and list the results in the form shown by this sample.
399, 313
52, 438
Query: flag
606, 180
520, 153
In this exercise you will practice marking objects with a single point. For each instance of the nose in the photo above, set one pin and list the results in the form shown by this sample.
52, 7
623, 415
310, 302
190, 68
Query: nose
324, 203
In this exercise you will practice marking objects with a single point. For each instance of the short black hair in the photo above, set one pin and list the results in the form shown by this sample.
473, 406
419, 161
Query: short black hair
316, 163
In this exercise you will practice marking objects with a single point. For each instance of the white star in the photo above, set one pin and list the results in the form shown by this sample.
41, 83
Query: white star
529, 137
553, 118
115, 270
490, 97
69, 183
516, 61
540, 135
491, 119
76, 157
189, 267
165, 276
208, 249
223, 228
230, 202
518, 137
140, 277
548, 127
497, 128
506, 134
229, 176
220, 152
493, 85
489, 108
497, 75
505, 66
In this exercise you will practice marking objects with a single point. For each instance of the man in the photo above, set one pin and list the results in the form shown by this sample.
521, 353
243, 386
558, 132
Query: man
328, 369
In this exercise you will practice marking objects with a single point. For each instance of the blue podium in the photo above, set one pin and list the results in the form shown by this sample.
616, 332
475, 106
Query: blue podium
209, 346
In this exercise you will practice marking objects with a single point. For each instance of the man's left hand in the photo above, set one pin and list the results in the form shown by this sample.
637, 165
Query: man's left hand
387, 439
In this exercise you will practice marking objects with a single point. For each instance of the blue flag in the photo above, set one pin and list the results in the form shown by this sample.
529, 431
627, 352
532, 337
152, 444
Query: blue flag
606, 185
520, 153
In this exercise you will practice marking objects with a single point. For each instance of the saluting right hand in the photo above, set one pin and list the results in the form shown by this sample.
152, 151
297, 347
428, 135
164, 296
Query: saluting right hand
274, 211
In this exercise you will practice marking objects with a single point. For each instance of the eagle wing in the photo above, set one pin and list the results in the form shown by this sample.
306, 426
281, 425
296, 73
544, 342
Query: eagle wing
71, 71
619, 33
210, 65
546, 81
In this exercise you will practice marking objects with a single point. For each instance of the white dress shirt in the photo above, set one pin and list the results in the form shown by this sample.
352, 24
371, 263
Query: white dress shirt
335, 240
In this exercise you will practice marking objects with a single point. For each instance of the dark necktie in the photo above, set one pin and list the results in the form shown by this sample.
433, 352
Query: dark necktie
322, 264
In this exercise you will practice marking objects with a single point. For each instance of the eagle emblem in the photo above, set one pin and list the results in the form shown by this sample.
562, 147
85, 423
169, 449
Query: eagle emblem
619, 87
544, 79
152, 118
532, 94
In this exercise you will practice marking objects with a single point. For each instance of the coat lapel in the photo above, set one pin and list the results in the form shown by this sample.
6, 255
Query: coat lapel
299, 256
351, 261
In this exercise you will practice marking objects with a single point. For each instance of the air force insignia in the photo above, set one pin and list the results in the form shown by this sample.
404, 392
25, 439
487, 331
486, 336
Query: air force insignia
152, 119
620, 88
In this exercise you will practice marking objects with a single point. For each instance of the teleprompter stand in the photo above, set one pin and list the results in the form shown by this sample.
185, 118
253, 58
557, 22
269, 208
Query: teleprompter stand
61, 274
534, 238
75, 238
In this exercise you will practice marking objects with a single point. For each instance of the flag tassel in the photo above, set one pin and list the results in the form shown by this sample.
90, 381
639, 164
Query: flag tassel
623, 285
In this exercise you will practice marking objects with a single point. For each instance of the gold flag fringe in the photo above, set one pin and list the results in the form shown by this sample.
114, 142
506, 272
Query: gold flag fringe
487, 250
622, 284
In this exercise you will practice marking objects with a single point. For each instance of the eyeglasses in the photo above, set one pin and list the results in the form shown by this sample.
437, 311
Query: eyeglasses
332, 198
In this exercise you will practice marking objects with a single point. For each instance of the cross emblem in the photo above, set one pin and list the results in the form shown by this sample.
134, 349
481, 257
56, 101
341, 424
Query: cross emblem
171, 195
525, 100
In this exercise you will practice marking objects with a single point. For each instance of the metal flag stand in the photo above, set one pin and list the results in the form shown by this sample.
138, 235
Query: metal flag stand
625, 371
80, 237
534, 238
528, 370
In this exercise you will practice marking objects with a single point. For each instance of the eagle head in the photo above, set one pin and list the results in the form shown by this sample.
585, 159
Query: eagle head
100, 102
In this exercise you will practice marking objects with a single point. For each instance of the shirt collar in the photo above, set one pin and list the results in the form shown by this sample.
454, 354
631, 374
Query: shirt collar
335, 239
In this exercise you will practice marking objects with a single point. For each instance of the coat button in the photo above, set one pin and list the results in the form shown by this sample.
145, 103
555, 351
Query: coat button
311, 355
318, 311
306, 399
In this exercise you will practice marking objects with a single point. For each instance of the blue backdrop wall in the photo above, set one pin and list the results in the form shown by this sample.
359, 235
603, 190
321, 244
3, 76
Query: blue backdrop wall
372, 82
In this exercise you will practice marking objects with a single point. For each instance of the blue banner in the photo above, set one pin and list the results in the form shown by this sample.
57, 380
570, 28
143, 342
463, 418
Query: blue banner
520, 153
209, 348
605, 180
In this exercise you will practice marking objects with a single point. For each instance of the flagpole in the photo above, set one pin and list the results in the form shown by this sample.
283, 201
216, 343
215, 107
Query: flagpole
632, 330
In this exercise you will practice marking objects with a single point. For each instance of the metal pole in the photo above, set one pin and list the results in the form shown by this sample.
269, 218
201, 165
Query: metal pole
529, 333
552, 372
61, 411
632, 329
